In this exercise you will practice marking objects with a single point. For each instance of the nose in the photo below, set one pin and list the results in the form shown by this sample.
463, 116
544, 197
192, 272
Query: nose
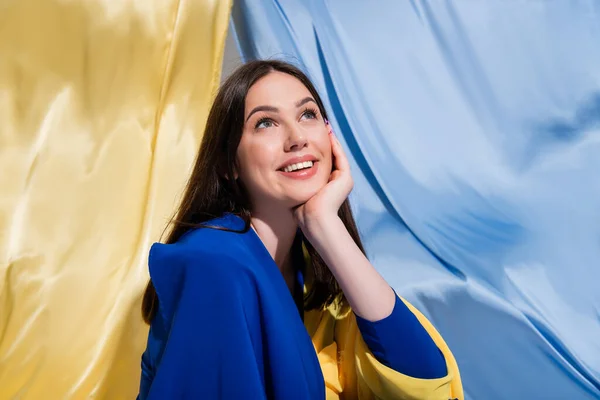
296, 140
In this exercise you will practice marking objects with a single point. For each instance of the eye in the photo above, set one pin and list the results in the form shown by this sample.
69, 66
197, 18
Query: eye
264, 123
309, 113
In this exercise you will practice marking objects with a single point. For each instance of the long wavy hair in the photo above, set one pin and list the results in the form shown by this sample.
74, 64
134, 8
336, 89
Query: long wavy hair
210, 194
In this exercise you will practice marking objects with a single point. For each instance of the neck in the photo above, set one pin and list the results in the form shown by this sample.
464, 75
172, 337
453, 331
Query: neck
277, 231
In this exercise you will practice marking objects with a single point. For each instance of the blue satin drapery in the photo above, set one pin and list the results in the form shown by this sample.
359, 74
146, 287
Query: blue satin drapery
473, 132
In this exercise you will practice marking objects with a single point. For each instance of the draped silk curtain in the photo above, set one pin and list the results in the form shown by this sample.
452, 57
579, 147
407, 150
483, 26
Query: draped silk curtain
102, 107
473, 129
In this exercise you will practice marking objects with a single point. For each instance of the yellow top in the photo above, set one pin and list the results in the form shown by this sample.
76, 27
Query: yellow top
352, 372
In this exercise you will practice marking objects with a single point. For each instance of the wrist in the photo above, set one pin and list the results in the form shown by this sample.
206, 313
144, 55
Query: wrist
321, 228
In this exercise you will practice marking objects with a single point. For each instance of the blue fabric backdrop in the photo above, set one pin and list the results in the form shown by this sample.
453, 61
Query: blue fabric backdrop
473, 129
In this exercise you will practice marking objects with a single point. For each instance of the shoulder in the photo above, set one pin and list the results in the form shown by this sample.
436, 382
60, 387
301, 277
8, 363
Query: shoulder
221, 243
203, 261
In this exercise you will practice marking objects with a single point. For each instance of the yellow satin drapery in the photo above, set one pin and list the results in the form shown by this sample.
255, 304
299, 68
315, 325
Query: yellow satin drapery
102, 106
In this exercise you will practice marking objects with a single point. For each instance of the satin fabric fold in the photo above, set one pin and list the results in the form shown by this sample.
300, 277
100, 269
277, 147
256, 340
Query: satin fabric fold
472, 130
102, 107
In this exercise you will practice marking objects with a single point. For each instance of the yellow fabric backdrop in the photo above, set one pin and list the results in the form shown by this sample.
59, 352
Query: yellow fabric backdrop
102, 106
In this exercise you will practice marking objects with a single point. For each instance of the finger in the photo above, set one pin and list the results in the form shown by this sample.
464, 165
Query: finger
340, 159
334, 175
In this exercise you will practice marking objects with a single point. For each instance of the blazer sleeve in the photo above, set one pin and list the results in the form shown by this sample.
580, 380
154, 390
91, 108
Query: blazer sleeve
211, 308
400, 342
365, 377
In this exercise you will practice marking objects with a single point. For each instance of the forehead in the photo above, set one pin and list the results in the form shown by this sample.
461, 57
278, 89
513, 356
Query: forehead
276, 89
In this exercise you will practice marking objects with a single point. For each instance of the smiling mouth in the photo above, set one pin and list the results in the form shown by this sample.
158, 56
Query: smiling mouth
298, 166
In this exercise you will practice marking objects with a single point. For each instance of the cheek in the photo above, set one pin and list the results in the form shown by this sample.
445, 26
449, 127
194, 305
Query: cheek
255, 160
319, 138
325, 146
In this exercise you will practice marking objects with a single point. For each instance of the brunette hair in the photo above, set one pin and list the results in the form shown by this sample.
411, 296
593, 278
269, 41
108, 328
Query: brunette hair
211, 194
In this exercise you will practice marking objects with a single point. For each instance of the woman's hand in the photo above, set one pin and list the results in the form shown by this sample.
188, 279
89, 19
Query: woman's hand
367, 292
324, 205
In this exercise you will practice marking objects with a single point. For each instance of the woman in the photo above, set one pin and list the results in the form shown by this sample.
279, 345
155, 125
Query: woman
266, 207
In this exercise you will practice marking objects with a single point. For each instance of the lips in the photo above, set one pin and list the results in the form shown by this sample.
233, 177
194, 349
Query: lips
296, 160
302, 174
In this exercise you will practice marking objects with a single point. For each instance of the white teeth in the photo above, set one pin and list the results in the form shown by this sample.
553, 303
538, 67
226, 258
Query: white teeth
297, 166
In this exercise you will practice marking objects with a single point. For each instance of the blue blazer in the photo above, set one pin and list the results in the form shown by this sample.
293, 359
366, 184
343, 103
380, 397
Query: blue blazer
228, 328
259, 348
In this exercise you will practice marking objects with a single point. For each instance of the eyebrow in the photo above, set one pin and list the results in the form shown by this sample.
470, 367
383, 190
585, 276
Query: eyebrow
276, 110
304, 101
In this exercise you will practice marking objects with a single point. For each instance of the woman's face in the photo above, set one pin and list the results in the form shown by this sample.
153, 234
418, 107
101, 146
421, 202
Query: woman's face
284, 155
